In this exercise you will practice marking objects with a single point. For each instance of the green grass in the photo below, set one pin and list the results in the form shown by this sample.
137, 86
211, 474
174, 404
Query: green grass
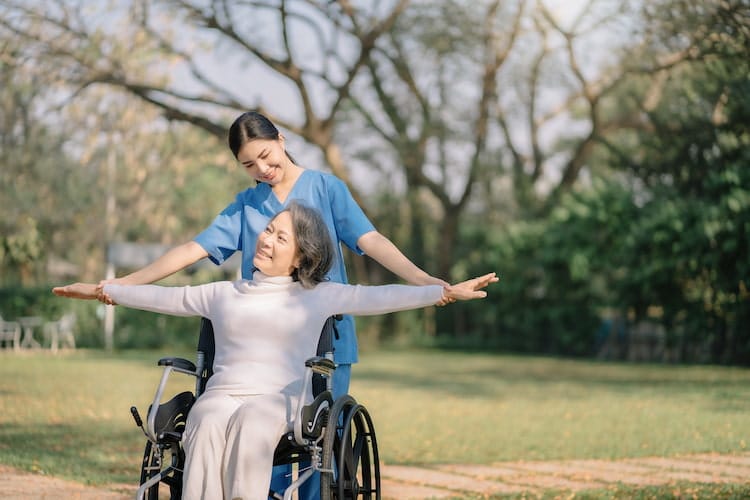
68, 415
432, 407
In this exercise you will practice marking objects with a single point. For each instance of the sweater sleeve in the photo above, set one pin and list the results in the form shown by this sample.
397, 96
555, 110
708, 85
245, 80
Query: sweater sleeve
360, 300
175, 301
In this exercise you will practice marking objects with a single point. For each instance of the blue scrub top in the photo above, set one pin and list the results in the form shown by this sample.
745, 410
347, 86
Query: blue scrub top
237, 228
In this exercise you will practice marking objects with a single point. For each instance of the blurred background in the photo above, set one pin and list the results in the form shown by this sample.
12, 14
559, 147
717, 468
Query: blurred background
593, 153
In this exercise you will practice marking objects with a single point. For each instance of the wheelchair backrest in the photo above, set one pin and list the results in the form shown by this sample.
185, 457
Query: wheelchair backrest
207, 349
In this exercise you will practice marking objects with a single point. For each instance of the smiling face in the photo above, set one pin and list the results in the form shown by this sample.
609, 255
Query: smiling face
276, 249
264, 160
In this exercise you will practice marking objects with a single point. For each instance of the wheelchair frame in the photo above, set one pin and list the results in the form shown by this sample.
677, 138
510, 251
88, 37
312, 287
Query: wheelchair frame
336, 437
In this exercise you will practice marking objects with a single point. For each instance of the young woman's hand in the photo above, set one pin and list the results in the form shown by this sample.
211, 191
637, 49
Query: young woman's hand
469, 289
101, 296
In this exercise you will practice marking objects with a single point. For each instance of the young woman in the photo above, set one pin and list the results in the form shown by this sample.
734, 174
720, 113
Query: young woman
234, 427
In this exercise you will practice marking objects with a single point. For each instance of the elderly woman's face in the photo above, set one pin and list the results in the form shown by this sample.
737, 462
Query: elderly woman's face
276, 249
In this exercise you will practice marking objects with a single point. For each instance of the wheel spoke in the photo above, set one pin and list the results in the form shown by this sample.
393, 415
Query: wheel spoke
359, 445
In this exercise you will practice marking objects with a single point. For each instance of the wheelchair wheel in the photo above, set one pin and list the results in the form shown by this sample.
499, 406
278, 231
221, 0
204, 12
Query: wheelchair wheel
150, 467
351, 452
153, 464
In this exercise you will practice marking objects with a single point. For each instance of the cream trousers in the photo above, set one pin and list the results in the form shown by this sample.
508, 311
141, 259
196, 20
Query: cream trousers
229, 444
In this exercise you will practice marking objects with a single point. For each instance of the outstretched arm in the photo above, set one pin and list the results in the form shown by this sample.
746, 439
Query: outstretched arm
363, 300
174, 260
176, 301
380, 248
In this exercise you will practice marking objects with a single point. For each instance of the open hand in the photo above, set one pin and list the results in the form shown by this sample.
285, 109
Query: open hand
470, 289
77, 291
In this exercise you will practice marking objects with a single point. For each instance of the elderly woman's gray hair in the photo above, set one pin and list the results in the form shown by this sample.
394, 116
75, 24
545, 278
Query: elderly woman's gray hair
314, 245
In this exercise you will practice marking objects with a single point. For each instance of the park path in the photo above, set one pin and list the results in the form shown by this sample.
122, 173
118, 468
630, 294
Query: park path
457, 481
460, 481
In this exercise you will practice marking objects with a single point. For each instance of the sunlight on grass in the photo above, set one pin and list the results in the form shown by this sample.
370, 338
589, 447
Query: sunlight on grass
432, 407
68, 415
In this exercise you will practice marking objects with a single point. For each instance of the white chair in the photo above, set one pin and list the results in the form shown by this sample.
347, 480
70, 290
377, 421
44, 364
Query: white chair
10, 332
61, 332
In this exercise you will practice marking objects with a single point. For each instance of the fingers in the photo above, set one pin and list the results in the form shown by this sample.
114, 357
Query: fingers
447, 298
101, 295
106, 299
75, 291
61, 291
484, 281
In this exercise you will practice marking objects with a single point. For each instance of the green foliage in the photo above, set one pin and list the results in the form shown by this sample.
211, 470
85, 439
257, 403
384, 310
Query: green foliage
146, 330
24, 245
555, 275
680, 262
693, 230
665, 238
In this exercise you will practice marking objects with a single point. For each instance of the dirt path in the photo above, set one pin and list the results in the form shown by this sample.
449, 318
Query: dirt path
456, 481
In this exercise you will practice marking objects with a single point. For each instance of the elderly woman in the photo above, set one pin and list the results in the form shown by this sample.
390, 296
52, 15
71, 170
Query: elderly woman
265, 328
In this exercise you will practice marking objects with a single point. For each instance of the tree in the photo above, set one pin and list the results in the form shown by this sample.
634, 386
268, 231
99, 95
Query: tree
314, 50
665, 237
692, 163
78, 174
445, 87
277, 37
37, 172
501, 101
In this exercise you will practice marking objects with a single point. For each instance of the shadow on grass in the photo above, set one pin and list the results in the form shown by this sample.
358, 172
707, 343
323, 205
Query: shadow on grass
490, 377
90, 453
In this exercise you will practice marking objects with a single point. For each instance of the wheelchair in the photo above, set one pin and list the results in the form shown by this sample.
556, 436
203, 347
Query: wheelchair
333, 437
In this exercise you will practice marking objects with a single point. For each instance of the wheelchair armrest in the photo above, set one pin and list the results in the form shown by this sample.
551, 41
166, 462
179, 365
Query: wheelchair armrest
315, 416
320, 362
178, 363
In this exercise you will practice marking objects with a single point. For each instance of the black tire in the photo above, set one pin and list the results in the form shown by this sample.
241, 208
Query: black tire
153, 464
149, 468
351, 452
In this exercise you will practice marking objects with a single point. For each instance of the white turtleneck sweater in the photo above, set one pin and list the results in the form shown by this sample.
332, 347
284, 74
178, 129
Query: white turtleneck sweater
265, 328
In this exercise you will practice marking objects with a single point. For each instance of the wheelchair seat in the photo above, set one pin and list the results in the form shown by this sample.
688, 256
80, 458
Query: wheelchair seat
336, 437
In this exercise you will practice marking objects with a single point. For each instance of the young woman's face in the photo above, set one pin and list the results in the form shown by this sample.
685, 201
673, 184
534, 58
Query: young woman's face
276, 249
264, 160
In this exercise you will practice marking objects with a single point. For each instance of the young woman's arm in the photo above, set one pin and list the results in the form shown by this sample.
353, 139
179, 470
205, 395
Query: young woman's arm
380, 248
174, 260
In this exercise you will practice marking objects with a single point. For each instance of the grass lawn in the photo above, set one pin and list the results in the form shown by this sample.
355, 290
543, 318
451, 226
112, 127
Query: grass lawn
68, 415
431, 407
